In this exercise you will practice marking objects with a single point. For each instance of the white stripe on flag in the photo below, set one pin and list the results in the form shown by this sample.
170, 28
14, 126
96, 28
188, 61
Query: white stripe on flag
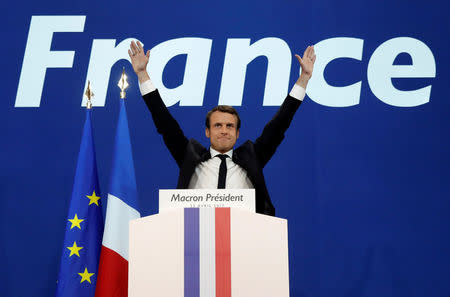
118, 216
207, 252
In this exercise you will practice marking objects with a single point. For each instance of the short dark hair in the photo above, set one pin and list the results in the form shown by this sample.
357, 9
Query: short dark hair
223, 108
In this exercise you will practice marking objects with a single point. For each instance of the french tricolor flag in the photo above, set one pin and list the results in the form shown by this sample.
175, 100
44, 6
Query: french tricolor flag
122, 208
207, 232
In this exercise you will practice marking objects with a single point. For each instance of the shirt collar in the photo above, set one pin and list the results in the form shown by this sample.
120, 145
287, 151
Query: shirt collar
214, 153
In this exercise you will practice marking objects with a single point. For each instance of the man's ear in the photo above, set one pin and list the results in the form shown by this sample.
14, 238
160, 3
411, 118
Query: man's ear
207, 132
237, 134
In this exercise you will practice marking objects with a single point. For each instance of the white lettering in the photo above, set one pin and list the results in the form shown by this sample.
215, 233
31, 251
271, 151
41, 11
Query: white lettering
239, 54
38, 56
198, 51
326, 51
380, 71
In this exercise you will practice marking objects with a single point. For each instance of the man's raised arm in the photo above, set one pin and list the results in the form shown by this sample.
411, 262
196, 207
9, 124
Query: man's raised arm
165, 124
273, 133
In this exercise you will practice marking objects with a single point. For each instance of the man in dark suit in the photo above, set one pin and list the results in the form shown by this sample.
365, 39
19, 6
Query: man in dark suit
221, 166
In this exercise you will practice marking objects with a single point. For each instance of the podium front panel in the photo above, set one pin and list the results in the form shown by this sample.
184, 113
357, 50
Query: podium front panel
208, 252
156, 258
259, 258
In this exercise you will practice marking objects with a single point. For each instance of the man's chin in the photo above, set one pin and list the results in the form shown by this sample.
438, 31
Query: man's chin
222, 148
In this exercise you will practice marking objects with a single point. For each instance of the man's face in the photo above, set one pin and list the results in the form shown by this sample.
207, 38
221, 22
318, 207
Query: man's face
222, 131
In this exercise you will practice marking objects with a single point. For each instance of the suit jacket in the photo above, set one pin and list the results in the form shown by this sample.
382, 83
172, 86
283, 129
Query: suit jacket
251, 156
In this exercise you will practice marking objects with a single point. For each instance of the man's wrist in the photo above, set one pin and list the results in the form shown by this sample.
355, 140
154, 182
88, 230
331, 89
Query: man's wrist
143, 76
302, 81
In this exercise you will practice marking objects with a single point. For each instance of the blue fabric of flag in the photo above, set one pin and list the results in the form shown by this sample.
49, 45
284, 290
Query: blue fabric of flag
84, 229
123, 179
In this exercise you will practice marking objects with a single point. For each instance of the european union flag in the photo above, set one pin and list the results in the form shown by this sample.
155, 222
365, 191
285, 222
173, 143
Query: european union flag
84, 230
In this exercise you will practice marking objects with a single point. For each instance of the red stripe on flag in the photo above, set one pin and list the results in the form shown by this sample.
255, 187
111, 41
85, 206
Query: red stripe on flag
112, 278
223, 253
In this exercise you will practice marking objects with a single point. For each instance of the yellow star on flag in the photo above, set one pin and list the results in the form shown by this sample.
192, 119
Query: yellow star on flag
76, 222
93, 199
85, 276
74, 250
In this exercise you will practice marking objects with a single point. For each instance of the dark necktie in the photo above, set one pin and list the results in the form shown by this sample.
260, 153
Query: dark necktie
222, 171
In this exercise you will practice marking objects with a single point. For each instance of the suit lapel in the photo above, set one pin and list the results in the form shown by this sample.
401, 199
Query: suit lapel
204, 157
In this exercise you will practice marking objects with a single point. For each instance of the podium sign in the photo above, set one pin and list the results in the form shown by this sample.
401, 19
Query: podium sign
212, 198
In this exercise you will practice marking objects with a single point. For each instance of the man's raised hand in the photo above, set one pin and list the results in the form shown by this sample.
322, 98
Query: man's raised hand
139, 60
307, 64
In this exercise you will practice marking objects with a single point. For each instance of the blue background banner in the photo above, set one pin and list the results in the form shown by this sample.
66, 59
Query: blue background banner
365, 186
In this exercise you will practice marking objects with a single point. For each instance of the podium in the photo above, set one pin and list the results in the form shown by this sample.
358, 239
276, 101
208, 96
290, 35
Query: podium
208, 252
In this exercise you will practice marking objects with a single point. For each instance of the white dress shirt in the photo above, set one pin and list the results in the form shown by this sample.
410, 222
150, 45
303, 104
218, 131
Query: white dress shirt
206, 174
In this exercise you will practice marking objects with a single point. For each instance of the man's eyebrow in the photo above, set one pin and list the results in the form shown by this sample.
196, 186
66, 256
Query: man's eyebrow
222, 123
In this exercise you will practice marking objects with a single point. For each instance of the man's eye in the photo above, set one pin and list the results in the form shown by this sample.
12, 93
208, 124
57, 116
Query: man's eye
230, 125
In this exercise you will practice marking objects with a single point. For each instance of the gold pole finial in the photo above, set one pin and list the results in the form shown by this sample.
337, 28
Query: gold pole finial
89, 94
123, 84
